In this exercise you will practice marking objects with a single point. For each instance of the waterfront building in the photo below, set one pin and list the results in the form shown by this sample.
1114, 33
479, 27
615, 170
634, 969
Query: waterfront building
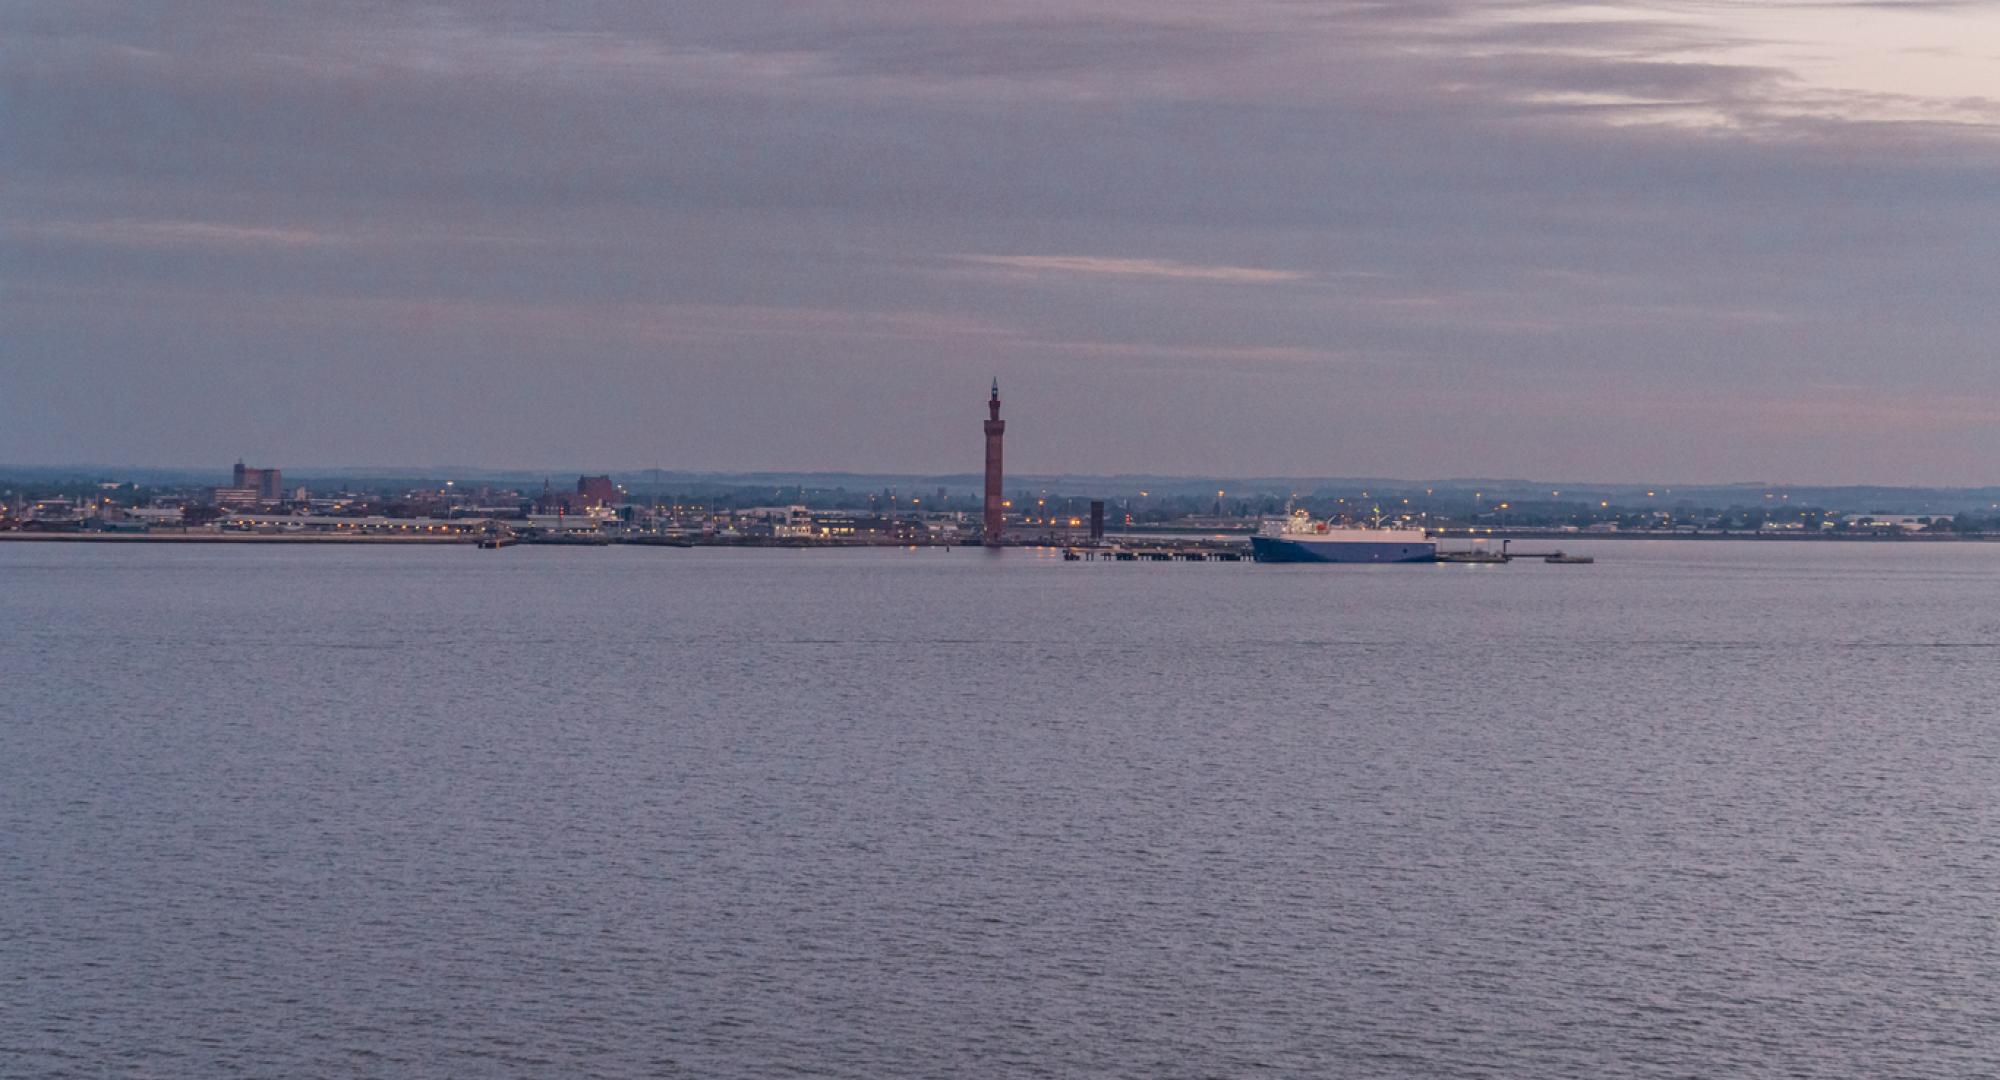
597, 491
1895, 522
58, 510
592, 493
590, 521
792, 523
371, 525
157, 515
867, 528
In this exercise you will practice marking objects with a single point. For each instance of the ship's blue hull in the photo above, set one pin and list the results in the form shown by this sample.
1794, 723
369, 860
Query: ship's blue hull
1276, 549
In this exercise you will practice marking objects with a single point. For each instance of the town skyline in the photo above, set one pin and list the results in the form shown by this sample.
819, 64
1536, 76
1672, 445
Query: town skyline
968, 479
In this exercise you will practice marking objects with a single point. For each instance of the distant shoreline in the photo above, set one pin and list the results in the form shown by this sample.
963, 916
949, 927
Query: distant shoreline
1761, 538
350, 539
26, 536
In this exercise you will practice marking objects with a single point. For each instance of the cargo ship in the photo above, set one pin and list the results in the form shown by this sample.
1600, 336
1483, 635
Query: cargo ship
1300, 539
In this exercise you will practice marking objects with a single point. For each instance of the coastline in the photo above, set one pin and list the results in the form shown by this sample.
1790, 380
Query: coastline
467, 540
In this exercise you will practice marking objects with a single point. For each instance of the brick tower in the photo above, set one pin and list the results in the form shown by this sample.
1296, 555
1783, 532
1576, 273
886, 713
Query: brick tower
996, 519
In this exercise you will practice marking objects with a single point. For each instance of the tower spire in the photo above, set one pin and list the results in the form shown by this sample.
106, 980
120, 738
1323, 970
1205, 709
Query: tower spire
996, 516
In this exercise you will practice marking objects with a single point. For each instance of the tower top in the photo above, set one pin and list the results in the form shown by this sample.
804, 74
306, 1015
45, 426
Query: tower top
993, 403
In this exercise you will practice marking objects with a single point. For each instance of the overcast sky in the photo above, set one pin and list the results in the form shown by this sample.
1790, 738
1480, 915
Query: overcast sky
1422, 238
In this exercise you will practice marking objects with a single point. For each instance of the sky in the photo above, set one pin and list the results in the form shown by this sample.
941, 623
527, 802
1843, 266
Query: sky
1695, 241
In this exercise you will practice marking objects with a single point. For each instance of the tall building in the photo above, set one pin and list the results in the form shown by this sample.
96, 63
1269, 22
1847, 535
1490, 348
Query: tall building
597, 491
996, 518
269, 484
592, 492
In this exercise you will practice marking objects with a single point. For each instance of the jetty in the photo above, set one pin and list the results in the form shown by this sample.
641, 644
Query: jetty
1202, 551
1506, 555
1226, 550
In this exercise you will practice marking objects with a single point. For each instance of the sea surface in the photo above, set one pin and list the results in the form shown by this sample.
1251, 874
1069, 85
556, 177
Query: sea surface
1702, 809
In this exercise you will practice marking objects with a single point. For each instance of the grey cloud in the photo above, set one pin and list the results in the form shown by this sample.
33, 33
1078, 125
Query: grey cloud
640, 230
1161, 269
1679, 82
1028, 50
1625, 37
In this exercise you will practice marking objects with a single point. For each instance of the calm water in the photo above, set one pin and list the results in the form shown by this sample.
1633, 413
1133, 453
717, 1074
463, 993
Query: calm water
1702, 809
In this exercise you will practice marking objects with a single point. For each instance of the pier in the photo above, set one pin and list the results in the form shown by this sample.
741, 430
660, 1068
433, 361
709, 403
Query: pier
1155, 555
1506, 555
1197, 551
1231, 551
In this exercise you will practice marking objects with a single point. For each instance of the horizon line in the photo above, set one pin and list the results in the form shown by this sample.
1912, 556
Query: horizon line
973, 475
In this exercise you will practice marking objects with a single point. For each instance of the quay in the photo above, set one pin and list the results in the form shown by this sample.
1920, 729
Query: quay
1230, 554
1181, 553
1204, 550
1506, 555
1228, 549
192, 537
